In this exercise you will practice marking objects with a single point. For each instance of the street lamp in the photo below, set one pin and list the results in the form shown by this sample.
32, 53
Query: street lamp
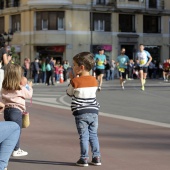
8, 37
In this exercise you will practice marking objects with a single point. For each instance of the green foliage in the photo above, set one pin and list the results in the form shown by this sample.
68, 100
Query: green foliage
15, 56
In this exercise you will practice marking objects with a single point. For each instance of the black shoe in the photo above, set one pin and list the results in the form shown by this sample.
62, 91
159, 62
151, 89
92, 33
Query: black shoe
82, 162
96, 161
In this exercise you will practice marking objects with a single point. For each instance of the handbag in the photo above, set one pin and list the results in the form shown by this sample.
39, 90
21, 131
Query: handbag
25, 119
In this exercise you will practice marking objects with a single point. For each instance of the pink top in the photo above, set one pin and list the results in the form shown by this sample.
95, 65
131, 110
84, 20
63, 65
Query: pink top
56, 69
16, 98
60, 69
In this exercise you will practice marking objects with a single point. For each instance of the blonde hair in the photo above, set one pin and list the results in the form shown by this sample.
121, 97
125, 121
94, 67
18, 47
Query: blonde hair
12, 78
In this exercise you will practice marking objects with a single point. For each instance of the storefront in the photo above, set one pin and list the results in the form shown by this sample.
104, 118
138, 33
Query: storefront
107, 49
57, 52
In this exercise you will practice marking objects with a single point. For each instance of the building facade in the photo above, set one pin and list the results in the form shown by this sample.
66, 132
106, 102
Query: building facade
63, 28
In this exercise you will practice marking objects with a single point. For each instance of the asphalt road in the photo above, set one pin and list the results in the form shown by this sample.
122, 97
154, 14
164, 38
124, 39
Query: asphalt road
134, 129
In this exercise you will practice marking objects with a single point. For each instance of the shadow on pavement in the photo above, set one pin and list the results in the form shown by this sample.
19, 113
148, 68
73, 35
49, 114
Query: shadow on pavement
42, 162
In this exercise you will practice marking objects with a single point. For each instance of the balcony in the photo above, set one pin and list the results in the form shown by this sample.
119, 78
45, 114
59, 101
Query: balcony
48, 2
104, 2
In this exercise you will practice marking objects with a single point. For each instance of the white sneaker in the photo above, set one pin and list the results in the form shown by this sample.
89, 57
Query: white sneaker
5, 169
19, 152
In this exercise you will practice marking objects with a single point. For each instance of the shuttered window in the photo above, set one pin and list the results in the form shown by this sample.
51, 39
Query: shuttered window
50, 20
2, 25
101, 22
16, 22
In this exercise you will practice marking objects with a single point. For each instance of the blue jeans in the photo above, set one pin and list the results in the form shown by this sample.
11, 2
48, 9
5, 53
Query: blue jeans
9, 134
107, 75
35, 77
112, 74
57, 77
15, 115
87, 125
43, 76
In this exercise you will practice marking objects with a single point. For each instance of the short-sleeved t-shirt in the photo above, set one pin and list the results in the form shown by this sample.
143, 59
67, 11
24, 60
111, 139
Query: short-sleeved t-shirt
122, 60
2, 52
143, 58
100, 61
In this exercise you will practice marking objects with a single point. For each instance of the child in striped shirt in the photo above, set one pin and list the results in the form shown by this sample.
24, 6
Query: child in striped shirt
84, 106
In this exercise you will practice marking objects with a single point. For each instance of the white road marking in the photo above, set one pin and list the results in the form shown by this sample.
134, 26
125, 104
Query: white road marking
61, 99
136, 120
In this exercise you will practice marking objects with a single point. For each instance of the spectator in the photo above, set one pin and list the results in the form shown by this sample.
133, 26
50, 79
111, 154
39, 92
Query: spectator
112, 70
36, 70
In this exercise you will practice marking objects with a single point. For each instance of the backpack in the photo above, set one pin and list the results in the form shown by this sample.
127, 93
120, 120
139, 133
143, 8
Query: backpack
48, 67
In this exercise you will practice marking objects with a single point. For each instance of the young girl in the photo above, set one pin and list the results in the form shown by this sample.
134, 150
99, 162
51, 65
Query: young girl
13, 96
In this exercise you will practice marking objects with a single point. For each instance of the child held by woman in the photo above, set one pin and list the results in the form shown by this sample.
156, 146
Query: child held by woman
13, 96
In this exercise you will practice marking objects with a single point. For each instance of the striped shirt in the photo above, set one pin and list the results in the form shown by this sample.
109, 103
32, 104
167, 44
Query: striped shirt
83, 92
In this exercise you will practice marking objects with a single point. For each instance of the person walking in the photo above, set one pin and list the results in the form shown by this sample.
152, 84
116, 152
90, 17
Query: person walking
144, 59
13, 96
84, 106
122, 63
100, 59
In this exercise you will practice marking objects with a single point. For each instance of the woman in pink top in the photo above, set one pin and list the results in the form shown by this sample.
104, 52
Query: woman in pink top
13, 96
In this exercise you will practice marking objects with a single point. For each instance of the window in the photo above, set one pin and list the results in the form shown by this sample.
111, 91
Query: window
44, 24
101, 2
16, 23
2, 25
126, 23
152, 3
134, 0
101, 22
16, 3
60, 23
151, 24
50, 20
2, 4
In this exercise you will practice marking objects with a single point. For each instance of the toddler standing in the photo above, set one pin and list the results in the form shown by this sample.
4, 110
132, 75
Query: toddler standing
84, 106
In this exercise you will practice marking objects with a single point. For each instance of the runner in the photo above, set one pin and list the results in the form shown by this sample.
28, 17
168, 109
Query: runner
122, 62
100, 66
144, 58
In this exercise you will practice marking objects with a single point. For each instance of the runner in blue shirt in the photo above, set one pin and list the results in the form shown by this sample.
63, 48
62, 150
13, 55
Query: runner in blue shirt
144, 59
122, 62
100, 59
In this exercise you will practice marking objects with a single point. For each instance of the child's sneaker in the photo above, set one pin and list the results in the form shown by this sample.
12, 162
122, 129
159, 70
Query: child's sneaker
99, 88
82, 162
19, 152
96, 161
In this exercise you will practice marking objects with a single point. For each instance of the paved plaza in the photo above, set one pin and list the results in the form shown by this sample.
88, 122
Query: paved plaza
134, 129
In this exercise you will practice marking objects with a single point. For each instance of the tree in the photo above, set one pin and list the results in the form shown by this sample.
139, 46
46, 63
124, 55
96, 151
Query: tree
15, 56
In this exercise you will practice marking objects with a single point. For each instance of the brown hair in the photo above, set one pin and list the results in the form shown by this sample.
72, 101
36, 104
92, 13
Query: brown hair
86, 59
12, 78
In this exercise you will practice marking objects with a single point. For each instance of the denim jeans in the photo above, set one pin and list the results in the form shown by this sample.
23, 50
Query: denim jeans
35, 77
43, 77
15, 115
112, 74
87, 125
57, 77
9, 134
107, 75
